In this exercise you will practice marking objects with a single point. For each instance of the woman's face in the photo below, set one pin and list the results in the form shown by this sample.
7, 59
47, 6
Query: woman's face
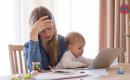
46, 34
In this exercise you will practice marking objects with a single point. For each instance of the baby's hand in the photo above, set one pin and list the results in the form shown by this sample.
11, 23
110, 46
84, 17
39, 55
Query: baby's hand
84, 66
51, 67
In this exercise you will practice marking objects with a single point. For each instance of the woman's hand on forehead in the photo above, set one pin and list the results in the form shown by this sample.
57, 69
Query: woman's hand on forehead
45, 19
47, 22
42, 24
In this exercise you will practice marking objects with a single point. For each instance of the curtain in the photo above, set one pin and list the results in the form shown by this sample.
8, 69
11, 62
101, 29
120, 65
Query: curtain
113, 25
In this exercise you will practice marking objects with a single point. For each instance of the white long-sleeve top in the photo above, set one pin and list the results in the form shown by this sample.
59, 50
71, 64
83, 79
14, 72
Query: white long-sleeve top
70, 61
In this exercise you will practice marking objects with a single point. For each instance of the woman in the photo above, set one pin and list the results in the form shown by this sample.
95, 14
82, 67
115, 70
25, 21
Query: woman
44, 46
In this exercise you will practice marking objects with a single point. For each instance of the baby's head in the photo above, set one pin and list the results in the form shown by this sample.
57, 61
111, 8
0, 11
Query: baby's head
75, 43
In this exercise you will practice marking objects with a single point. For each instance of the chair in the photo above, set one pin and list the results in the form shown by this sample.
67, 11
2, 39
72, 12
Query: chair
15, 57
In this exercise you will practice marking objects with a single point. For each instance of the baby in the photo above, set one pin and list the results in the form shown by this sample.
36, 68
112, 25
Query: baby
73, 58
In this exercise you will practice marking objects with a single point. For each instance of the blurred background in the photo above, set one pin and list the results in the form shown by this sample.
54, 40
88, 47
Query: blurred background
70, 15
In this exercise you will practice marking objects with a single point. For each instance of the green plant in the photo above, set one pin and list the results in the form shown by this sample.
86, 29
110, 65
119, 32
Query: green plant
127, 35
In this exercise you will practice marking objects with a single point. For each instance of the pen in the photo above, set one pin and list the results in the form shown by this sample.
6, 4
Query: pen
61, 72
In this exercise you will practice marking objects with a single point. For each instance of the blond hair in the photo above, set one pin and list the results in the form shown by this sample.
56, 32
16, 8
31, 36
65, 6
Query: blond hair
53, 44
72, 38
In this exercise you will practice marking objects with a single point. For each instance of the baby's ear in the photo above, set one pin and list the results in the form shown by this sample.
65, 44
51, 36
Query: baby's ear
70, 47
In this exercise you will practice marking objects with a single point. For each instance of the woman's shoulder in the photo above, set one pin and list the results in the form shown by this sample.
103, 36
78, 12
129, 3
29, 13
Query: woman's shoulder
60, 37
62, 44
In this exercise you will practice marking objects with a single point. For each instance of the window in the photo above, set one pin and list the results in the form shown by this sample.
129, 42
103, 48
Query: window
81, 16
14, 29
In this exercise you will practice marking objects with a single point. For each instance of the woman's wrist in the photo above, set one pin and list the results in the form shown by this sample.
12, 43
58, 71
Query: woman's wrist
33, 35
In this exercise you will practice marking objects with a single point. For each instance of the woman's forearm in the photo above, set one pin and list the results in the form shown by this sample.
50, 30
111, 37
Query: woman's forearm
33, 35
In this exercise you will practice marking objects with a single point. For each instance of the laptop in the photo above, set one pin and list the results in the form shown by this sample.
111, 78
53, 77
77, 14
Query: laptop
104, 59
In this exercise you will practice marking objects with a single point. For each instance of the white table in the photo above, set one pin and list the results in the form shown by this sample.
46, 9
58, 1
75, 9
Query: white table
112, 71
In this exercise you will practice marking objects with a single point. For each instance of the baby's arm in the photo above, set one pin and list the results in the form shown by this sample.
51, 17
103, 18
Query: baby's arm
86, 61
68, 63
71, 64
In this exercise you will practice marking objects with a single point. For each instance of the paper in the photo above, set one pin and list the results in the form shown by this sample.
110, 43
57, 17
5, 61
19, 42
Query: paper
76, 74
96, 72
51, 75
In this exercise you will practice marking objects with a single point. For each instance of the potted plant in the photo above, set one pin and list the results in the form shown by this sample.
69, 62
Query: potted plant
127, 35
125, 54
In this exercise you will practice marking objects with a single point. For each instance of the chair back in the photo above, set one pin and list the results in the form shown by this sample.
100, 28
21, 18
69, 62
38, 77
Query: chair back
17, 61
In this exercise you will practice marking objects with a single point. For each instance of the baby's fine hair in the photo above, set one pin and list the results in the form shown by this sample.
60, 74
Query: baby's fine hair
72, 38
